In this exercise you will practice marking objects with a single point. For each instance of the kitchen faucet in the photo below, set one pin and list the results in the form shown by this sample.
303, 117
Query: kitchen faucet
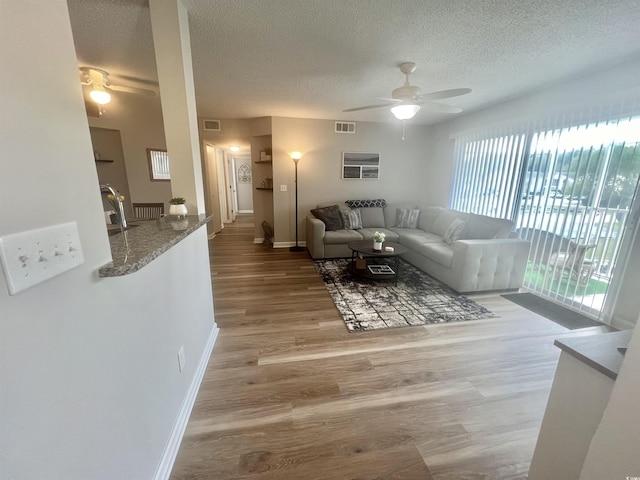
116, 195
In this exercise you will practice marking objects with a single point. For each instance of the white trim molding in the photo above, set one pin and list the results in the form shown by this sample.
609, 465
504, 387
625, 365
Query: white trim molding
173, 445
288, 244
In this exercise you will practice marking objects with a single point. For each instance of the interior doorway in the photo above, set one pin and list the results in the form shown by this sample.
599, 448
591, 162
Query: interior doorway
228, 185
242, 183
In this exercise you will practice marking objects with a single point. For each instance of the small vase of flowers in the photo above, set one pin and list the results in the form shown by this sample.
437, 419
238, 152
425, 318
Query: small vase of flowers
378, 239
177, 207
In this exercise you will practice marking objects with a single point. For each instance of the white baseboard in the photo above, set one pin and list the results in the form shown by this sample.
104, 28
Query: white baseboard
288, 244
173, 445
245, 211
622, 324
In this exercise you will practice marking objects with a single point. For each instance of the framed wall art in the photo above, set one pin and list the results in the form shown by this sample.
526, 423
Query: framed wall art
361, 166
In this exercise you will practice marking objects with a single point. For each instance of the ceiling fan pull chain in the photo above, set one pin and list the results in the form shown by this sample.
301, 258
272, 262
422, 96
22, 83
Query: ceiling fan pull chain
404, 122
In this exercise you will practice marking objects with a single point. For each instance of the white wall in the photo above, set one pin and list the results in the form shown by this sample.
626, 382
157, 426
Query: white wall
139, 120
614, 449
88, 369
402, 166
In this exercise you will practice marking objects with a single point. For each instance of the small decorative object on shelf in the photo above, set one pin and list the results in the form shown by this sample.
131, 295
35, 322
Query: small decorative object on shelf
177, 207
378, 238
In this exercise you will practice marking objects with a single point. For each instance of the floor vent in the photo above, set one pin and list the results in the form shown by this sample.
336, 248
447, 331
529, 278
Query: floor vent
345, 127
211, 125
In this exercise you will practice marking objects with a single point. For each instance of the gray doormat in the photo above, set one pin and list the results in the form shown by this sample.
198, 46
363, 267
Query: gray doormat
418, 299
554, 312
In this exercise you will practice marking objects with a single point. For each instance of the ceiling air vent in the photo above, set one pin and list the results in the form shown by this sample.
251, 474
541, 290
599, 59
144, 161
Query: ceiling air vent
211, 125
345, 127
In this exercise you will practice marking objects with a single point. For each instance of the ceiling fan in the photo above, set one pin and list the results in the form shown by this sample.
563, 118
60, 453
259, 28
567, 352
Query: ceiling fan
406, 100
100, 83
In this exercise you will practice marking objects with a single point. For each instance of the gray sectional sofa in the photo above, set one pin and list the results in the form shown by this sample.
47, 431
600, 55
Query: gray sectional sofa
468, 252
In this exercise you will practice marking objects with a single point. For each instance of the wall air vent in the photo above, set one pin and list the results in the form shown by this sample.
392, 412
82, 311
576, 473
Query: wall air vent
211, 125
345, 127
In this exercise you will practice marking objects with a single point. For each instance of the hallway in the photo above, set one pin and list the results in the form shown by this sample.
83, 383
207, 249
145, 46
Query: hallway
290, 394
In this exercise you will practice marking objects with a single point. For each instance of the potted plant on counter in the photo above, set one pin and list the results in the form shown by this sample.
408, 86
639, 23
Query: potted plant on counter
177, 207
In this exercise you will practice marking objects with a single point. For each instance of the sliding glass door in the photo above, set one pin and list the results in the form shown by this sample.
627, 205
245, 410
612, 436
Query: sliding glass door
568, 189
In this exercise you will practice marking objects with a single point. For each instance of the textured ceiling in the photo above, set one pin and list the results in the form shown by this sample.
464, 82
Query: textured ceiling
315, 58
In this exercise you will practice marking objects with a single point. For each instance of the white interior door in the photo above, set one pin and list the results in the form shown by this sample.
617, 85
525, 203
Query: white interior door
225, 213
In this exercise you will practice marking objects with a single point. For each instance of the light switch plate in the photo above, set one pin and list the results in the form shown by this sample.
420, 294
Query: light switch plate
31, 257
283, 188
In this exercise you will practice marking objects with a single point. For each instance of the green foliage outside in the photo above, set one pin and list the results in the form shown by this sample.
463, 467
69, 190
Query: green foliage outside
561, 284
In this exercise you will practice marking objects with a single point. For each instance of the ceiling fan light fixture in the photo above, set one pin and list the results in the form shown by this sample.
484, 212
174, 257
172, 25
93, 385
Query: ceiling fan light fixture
99, 95
405, 111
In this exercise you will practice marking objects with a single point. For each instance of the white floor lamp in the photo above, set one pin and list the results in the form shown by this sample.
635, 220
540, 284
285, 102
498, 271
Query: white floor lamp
296, 156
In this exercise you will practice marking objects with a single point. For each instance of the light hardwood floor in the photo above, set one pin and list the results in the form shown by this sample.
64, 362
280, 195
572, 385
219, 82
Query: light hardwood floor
290, 394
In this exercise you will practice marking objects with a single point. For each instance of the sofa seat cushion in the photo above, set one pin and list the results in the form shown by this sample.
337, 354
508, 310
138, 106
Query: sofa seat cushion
439, 252
341, 236
414, 238
389, 235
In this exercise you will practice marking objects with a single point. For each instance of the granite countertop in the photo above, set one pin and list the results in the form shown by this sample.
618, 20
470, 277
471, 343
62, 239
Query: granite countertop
598, 351
144, 241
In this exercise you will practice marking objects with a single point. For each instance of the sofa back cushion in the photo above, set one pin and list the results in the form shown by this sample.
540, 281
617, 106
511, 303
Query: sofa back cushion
330, 216
427, 217
444, 219
480, 227
372, 217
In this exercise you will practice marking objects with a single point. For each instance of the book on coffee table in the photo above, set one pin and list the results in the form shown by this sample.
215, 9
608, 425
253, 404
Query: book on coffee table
381, 269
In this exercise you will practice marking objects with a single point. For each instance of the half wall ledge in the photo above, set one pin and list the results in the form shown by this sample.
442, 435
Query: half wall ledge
133, 249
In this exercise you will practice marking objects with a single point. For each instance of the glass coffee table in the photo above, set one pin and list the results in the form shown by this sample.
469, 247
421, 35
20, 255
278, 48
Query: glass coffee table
375, 265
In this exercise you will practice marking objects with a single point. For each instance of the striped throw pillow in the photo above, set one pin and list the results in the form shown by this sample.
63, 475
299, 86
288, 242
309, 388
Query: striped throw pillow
407, 218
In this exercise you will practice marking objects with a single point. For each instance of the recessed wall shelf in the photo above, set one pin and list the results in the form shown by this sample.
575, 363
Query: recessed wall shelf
264, 188
103, 161
263, 161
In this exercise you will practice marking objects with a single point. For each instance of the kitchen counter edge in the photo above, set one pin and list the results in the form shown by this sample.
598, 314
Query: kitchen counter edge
137, 247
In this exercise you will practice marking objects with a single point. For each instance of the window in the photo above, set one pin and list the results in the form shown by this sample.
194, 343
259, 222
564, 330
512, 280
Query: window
158, 165
569, 186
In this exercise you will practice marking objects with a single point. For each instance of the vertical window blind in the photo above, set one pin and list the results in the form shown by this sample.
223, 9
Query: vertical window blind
569, 183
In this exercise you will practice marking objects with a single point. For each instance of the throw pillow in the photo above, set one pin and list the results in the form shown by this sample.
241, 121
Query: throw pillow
379, 202
407, 218
351, 219
454, 231
330, 216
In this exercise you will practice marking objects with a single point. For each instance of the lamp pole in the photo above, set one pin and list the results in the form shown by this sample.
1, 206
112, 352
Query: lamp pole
295, 156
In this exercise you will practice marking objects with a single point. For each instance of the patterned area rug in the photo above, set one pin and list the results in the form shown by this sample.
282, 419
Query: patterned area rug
417, 300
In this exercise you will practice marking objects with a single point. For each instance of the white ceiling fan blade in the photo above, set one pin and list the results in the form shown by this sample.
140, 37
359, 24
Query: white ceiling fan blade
454, 92
139, 91
441, 108
386, 99
369, 107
